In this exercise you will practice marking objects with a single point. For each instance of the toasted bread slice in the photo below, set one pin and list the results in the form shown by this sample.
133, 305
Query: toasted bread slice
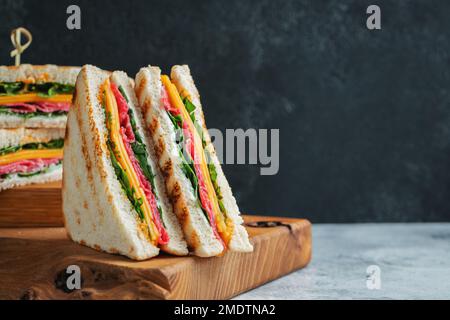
39, 73
177, 245
21, 136
197, 230
181, 77
97, 212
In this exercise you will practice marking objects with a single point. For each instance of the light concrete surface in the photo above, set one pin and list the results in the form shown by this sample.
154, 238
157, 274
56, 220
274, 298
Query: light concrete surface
413, 259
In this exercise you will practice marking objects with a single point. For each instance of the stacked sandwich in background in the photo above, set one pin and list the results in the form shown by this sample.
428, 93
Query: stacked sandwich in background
140, 172
34, 102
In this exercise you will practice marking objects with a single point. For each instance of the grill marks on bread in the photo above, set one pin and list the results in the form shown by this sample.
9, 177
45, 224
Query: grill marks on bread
84, 145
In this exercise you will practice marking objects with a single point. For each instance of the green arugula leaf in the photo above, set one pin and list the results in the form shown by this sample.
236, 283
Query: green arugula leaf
31, 174
213, 174
124, 95
141, 153
54, 144
188, 169
187, 166
125, 182
177, 120
137, 136
190, 107
141, 156
46, 89
50, 89
11, 88
8, 150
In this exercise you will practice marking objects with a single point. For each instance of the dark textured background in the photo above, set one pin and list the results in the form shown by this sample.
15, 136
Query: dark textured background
364, 116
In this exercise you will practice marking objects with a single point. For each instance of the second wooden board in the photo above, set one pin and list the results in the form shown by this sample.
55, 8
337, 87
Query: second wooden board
36, 205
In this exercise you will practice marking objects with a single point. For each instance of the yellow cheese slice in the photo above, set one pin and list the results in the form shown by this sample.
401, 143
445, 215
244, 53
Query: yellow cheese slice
34, 97
30, 155
225, 228
124, 160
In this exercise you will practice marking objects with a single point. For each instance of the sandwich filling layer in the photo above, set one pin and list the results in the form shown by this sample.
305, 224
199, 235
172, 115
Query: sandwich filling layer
196, 162
29, 100
129, 158
30, 159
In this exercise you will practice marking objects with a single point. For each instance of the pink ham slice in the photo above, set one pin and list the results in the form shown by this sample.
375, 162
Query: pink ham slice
26, 166
46, 107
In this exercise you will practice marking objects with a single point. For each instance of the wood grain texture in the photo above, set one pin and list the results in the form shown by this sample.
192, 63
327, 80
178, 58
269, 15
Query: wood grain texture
33, 264
36, 205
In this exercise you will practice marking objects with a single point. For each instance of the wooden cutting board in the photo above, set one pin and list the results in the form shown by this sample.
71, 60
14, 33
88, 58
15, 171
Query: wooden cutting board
33, 265
36, 205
